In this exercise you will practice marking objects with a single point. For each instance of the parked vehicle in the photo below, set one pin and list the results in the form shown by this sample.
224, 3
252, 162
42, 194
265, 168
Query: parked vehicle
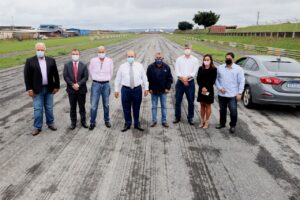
270, 80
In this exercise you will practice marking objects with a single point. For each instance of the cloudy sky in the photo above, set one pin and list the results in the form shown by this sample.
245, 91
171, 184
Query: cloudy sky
125, 14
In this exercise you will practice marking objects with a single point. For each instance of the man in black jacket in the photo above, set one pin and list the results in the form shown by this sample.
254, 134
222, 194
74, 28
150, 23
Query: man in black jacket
160, 81
76, 76
42, 82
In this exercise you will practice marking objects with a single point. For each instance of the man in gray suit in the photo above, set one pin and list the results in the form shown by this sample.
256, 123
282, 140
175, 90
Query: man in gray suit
76, 76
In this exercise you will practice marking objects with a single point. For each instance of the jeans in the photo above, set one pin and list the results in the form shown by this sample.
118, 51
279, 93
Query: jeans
231, 103
189, 91
97, 90
131, 98
163, 103
43, 100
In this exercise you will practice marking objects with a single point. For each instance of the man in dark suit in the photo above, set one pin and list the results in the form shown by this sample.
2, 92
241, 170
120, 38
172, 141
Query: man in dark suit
42, 82
76, 76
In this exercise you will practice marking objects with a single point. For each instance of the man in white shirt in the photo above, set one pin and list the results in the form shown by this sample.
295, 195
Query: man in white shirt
130, 78
186, 68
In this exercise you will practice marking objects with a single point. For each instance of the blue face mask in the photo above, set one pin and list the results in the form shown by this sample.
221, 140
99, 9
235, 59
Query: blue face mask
158, 61
40, 54
130, 60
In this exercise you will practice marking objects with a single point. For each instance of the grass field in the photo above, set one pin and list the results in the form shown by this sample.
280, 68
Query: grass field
55, 47
286, 27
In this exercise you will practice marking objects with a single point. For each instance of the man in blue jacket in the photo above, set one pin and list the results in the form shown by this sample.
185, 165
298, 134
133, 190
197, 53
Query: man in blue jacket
160, 81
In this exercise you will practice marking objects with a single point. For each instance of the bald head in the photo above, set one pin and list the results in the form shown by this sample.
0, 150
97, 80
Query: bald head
159, 55
40, 46
101, 49
131, 54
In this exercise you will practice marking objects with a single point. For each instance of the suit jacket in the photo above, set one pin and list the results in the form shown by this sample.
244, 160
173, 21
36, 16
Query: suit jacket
33, 75
82, 77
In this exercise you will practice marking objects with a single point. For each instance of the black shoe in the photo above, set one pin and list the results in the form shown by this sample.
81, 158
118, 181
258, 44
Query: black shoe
232, 130
107, 124
72, 126
191, 123
166, 125
139, 128
220, 126
153, 124
92, 126
125, 128
52, 127
176, 121
84, 125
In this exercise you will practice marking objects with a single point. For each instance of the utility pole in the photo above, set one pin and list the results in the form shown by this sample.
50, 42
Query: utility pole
257, 21
12, 23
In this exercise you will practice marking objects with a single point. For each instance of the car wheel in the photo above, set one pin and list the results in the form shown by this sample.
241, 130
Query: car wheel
247, 98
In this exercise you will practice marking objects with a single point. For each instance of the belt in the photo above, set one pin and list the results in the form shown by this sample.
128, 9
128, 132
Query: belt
130, 87
101, 82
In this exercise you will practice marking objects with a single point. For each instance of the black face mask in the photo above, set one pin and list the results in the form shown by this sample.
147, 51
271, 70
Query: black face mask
228, 61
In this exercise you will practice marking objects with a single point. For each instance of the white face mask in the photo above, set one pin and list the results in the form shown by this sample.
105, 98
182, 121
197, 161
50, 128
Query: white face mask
187, 52
40, 54
75, 57
101, 55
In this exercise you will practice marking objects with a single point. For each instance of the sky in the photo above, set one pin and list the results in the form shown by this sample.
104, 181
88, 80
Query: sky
131, 14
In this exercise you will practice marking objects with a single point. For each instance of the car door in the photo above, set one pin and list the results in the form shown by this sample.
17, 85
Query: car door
252, 75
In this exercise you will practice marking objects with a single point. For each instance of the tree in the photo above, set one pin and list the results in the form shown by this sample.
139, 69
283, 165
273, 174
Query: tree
185, 26
206, 18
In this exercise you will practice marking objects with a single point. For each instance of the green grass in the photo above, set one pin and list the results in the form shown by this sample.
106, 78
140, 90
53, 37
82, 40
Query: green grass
7, 62
218, 55
286, 27
285, 43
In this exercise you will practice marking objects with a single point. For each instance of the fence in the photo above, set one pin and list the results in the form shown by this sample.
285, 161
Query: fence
262, 50
261, 34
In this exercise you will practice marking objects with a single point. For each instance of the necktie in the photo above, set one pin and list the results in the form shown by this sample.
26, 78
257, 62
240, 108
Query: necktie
75, 72
131, 77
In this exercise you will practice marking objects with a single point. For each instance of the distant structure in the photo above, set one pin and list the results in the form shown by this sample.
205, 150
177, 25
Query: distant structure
220, 28
79, 32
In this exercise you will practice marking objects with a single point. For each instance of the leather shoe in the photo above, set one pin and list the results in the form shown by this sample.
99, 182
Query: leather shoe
125, 128
232, 129
84, 125
92, 126
36, 132
52, 127
176, 121
72, 126
107, 124
191, 123
139, 128
153, 124
166, 125
220, 126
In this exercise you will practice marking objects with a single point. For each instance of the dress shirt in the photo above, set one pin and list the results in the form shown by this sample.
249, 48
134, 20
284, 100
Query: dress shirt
231, 79
123, 76
186, 66
43, 66
101, 71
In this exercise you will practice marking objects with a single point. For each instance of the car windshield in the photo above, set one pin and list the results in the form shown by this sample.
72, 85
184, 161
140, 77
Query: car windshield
282, 66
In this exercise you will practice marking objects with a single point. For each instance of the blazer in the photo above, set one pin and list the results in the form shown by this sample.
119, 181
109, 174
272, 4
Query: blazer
33, 75
82, 77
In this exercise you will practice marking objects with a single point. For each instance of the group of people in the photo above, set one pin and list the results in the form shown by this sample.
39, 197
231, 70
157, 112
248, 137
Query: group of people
42, 83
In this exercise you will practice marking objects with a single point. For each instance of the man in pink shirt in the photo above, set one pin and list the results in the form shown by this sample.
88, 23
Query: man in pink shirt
100, 70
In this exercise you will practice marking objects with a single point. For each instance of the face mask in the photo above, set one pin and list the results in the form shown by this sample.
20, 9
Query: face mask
206, 63
75, 57
158, 61
101, 55
187, 52
228, 61
130, 60
40, 54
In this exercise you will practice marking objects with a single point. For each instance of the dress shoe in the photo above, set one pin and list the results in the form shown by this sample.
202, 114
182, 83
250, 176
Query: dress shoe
92, 126
84, 125
165, 124
107, 124
176, 121
36, 132
153, 124
191, 123
220, 126
52, 127
72, 126
125, 128
139, 128
232, 130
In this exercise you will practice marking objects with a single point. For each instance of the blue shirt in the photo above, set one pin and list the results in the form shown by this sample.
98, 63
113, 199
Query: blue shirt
231, 79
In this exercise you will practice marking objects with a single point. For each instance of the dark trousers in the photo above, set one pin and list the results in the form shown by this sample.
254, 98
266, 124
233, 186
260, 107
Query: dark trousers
79, 99
131, 98
189, 91
231, 103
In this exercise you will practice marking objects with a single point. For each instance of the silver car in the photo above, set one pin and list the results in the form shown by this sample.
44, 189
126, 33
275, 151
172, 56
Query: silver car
270, 80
